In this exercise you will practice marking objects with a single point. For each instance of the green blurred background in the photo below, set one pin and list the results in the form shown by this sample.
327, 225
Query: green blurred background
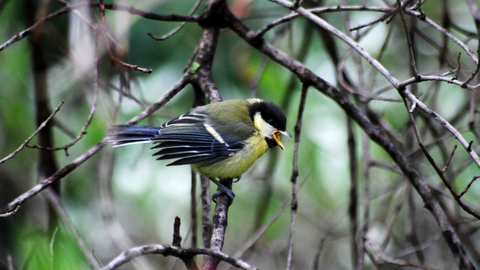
145, 196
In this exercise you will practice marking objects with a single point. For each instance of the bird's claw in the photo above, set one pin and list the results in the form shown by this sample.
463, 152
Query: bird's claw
221, 189
224, 190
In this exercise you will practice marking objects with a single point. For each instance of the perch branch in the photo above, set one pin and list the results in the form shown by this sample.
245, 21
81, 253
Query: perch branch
132, 253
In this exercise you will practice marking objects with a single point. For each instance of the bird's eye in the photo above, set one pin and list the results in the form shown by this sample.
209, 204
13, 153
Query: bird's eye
271, 122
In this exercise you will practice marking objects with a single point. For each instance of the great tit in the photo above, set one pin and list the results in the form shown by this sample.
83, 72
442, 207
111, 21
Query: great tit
220, 140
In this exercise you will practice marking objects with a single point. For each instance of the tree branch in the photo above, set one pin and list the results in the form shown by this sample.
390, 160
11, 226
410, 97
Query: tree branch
20, 148
132, 253
375, 133
13, 206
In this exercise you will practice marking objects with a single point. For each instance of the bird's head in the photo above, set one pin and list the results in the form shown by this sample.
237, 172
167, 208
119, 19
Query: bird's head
270, 121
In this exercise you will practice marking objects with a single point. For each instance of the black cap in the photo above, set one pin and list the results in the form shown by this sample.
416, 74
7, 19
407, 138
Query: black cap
270, 112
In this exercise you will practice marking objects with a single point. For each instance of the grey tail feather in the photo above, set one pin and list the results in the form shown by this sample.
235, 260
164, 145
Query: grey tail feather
130, 134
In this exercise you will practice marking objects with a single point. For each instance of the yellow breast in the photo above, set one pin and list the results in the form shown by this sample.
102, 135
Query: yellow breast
235, 165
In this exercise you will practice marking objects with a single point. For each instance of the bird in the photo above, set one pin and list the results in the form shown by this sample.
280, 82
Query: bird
221, 140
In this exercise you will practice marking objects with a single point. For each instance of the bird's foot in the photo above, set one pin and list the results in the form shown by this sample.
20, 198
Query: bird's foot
237, 179
222, 189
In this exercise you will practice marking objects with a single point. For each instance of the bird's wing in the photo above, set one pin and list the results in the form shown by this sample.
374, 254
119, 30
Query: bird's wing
191, 139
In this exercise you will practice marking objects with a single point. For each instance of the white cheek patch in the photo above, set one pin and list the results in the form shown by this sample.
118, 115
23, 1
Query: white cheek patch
265, 128
214, 133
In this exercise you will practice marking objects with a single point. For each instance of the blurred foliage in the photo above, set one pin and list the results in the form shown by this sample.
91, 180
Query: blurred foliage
146, 196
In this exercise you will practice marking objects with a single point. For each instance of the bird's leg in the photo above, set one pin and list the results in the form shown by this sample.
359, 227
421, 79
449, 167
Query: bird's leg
221, 189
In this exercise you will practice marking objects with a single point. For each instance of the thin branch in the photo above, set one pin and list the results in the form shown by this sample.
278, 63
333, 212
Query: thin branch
380, 258
83, 131
69, 8
162, 101
178, 28
318, 254
57, 205
375, 133
177, 238
188, 260
317, 11
391, 219
449, 159
40, 23
113, 57
13, 206
473, 7
258, 233
353, 200
421, 247
394, 81
113, 226
295, 173
411, 222
20, 148
408, 34
132, 253
441, 78
152, 16
441, 175
468, 186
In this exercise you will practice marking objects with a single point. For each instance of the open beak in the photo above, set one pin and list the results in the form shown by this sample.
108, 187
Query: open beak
276, 137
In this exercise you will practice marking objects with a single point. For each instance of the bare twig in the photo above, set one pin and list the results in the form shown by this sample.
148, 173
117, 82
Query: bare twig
83, 131
187, 259
177, 238
473, 6
421, 247
375, 133
380, 258
178, 28
113, 57
318, 254
394, 81
257, 234
132, 253
317, 11
353, 200
13, 206
408, 34
20, 148
411, 224
295, 173
29, 30
57, 204
69, 8
113, 226
468, 186
442, 176
150, 15
390, 222
449, 159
